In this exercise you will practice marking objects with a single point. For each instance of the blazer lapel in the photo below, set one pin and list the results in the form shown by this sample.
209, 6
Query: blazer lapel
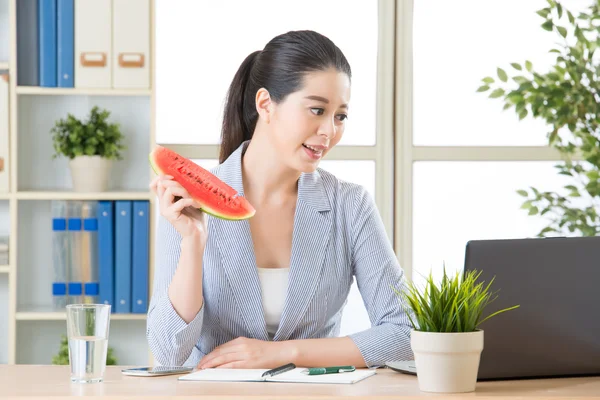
311, 234
234, 241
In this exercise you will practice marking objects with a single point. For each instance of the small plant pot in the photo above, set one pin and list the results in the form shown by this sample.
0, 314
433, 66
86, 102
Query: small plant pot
90, 173
447, 362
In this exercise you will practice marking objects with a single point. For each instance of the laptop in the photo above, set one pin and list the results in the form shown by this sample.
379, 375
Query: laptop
556, 330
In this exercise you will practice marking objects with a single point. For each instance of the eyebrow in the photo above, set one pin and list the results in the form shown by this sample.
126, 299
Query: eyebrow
323, 100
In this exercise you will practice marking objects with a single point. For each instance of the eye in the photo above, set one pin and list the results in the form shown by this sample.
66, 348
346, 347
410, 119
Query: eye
320, 111
342, 117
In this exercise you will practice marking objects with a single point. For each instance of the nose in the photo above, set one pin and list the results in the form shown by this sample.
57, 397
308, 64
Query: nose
328, 128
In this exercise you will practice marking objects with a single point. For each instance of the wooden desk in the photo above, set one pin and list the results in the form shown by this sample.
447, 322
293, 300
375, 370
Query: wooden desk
46, 381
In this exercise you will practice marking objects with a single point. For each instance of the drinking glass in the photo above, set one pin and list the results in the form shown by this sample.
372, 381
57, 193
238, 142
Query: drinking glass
87, 333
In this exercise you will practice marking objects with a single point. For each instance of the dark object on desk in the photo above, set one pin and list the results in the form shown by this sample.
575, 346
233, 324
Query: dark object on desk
556, 330
156, 371
279, 370
406, 367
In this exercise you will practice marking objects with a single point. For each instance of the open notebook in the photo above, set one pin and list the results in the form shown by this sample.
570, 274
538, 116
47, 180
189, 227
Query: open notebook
295, 375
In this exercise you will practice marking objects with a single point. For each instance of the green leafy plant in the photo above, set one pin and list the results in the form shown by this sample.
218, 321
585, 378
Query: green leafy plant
455, 305
62, 358
95, 137
567, 99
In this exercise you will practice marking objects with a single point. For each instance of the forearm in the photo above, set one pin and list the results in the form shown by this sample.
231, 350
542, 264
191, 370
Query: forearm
325, 352
185, 290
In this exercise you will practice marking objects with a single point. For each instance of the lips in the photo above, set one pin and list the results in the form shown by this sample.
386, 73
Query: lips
313, 148
314, 152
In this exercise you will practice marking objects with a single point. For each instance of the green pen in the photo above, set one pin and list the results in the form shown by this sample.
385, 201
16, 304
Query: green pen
329, 370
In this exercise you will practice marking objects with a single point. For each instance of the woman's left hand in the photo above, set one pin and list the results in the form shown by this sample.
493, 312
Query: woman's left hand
248, 353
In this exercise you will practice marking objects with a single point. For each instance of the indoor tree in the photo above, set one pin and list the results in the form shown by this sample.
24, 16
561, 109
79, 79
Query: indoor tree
567, 98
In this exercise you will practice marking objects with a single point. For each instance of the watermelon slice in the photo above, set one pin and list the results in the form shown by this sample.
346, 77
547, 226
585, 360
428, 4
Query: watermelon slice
215, 196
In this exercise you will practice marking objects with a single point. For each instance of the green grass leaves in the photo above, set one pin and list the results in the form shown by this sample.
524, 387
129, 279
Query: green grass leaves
456, 304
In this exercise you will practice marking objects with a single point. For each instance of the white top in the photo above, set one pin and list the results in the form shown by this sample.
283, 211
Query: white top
273, 285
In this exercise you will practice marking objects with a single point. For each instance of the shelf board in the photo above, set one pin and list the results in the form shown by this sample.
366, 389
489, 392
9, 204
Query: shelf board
4, 65
47, 314
36, 90
67, 195
4, 269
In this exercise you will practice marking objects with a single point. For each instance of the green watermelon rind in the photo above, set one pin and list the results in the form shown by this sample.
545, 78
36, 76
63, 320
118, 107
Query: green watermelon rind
208, 211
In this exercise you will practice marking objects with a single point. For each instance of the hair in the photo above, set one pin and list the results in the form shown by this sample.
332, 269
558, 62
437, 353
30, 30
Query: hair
279, 68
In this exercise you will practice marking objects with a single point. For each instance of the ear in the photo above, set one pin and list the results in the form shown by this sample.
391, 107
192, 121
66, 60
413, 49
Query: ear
264, 104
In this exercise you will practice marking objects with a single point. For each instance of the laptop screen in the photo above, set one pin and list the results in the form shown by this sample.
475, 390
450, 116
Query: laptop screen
556, 329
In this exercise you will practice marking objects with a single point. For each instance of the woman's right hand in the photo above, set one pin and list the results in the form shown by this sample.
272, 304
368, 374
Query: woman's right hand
177, 206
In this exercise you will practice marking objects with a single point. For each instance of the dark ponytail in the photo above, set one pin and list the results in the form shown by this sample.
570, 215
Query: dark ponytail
238, 121
279, 68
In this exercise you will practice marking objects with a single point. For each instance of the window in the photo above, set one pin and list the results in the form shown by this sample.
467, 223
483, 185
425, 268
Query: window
198, 55
478, 36
455, 202
460, 157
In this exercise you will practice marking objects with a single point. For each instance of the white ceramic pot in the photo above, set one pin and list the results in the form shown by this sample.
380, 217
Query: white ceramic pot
90, 173
447, 362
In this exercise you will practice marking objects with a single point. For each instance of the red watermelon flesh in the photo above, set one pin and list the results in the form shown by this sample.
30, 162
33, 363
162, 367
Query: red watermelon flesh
214, 196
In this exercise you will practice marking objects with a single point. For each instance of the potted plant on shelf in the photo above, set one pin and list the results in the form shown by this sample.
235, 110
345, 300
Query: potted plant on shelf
445, 339
90, 146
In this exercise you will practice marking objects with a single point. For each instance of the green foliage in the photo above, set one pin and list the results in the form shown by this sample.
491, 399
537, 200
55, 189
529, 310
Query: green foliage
455, 305
62, 358
72, 137
567, 99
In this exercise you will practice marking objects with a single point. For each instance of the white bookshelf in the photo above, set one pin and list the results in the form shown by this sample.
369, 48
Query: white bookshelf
67, 195
30, 90
29, 328
33, 313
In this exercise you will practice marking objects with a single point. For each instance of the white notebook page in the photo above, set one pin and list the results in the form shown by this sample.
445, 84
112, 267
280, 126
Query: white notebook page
295, 375
225, 374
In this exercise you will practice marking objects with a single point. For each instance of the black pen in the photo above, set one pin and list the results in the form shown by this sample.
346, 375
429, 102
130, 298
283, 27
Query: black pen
279, 370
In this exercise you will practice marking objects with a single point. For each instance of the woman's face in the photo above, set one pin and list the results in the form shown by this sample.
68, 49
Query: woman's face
309, 122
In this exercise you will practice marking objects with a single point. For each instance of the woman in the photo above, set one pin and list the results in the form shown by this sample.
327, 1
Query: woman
267, 291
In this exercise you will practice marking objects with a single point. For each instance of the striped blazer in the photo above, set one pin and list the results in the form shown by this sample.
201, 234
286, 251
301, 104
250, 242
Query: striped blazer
338, 235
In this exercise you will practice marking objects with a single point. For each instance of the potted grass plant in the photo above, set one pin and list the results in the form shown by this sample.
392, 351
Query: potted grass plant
445, 339
90, 146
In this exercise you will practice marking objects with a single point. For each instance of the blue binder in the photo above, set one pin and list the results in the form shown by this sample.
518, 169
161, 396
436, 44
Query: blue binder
60, 249
123, 227
75, 285
91, 288
47, 32
106, 253
65, 26
139, 284
28, 73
